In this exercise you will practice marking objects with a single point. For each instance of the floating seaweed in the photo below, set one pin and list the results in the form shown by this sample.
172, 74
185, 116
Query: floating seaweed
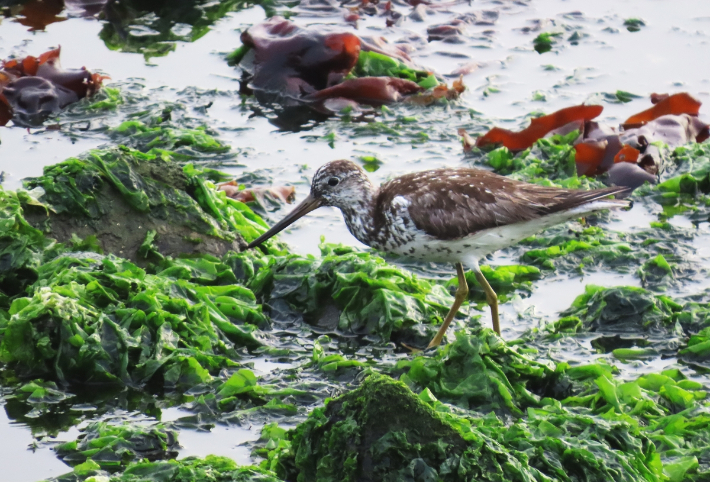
33, 88
293, 66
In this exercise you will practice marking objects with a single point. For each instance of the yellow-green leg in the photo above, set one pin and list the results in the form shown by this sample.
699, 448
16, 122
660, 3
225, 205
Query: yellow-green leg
461, 295
491, 298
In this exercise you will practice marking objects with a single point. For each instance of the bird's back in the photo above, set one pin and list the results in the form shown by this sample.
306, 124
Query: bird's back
454, 203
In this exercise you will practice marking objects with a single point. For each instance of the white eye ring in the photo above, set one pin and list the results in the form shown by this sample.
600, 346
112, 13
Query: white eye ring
333, 181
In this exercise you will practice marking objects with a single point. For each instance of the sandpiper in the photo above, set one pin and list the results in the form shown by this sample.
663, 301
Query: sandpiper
456, 215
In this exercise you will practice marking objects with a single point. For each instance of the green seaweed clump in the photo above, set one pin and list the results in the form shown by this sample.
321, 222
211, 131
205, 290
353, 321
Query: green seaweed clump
115, 446
634, 24
482, 373
623, 309
667, 408
353, 292
382, 431
544, 42
22, 247
636, 430
624, 317
93, 319
697, 353
662, 256
695, 319
241, 395
656, 271
687, 190
190, 469
333, 362
375, 64
182, 143
568, 250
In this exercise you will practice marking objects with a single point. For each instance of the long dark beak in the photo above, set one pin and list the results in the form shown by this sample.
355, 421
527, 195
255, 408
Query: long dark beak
307, 205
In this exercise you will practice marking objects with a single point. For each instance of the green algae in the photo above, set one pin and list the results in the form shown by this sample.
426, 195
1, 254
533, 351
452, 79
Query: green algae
619, 97
333, 362
634, 24
113, 447
624, 317
644, 427
22, 247
568, 249
367, 434
189, 469
108, 98
625, 308
544, 42
686, 185
181, 142
480, 373
95, 319
635, 324
351, 292
383, 431
41, 392
74, 316
662, 257
550, 162
656, 271
374, 64
669, 409
695, 318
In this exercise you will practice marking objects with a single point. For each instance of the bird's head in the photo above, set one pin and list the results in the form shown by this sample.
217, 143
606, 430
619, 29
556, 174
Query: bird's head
337, 183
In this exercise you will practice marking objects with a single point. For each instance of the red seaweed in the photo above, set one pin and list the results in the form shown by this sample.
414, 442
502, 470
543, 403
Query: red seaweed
630, 157
35, 87
589, 156
295, 66
627, 154
665, 104
5, 110
369, 90
538, 128
293, 61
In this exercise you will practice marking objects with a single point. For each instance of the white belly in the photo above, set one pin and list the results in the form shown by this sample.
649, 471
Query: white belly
470, 249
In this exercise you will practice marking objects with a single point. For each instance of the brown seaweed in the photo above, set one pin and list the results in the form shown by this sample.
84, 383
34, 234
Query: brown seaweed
34, 88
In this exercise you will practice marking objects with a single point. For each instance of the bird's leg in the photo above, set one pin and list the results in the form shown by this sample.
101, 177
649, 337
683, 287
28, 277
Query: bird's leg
491, 298
461, 295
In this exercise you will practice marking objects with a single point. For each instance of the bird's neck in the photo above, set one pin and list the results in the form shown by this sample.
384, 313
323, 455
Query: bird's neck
360, 216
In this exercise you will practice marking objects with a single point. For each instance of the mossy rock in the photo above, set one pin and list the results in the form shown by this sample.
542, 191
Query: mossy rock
382, 431
120, 196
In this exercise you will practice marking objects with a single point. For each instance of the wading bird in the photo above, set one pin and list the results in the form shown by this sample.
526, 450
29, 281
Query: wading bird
456, 215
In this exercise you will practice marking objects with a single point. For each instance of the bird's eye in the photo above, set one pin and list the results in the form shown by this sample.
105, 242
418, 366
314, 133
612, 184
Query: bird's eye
333, 181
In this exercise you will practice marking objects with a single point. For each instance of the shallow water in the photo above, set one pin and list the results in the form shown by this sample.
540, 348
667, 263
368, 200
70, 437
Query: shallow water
507, 84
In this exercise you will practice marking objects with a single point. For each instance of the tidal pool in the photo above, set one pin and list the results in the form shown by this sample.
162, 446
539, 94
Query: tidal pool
506, 80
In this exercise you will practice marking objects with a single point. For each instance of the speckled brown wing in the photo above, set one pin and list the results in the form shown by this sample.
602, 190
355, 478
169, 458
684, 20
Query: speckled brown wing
453, 203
